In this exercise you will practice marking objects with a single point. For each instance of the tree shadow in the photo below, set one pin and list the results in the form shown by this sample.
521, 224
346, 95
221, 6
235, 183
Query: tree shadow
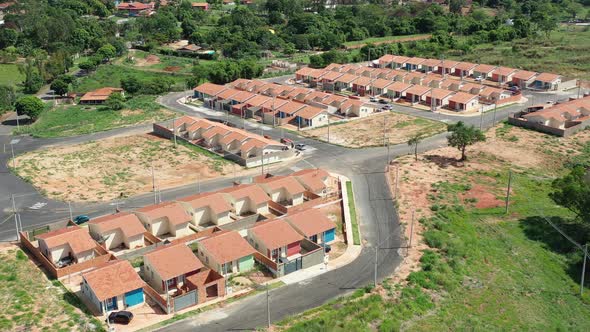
538, 229
13, 123
444, 162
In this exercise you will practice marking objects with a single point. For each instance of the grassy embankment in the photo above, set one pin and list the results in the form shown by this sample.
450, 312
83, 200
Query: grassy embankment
485, 270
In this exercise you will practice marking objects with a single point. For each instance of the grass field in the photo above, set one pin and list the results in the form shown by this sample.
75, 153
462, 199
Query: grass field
485, 270
72, 120
159, 62
110, 75
31, 302
384, 40
356, 237
9, 74
566, 52
369, 131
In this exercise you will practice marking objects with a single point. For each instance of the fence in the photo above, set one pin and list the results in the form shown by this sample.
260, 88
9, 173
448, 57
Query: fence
314, 256
518, 121
158, 299
242, 223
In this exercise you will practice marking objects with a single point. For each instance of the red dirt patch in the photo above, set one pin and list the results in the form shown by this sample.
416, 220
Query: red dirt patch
485, 199
172, 68
152, 59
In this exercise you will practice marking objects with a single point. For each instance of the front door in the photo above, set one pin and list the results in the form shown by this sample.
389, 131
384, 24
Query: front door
112, 304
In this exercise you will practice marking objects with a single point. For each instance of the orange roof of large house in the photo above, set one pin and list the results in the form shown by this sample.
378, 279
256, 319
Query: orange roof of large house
291, 107
310, 222
171, 261
128, 223
363, 81
210, 89
234, 136
418, 90
413, 75
200, 4
227, 94
275, 103
310, 112
547, 77
334, 99
318, 73
346, 78
465, 66
440, 93
243, 96
287, 183
172, 211
415, 61
253, 143
101, 94
299, 91
399, 86
381, 83
251, 191
400, 59
489, 91
449, 63
387, 58
112, 279
486, 69
135, 5
76, 237
572, 108
227, 246
332, 75
215, 201
524, 75
312, 179
503, 71
333, 66
470, 86
275, 233
431, 62
462, 97
305, 71
218, 129
200, 123
258, 100
316, 96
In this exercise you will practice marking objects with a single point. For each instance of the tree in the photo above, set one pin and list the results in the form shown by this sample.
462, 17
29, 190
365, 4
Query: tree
455, 6
33, 80
88, 65
30, 106
414, 141
131, 84
107, 52
59, 86
463, 136
115, 101
7, 98
573, 192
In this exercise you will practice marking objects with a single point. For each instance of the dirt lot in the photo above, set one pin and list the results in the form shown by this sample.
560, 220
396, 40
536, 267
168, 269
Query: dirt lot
477, 178
31, 302
369, 131
99, 171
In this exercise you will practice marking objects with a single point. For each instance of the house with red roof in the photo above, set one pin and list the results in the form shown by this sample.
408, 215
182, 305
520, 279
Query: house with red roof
226, 253
165, 218
135, 8
69, 244
314, 225
285, 190
463, 101
417, 93
167, 267
413, 64
464, 69
547, 81
483, 71
447, 67
561, 115
246, 199
121, 229
313, 180
493, 95
275, 239
311, 117
503, 74
385, 61
113, 286
362, 85
356, 107
344, 82
207, 209
98, 96
398, 90
523, 78
430, 65
208, 91
438, 97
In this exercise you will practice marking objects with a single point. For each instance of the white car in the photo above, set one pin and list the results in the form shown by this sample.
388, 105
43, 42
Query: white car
479, 78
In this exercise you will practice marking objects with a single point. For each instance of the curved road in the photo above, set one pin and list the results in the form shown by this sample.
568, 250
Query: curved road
365, 167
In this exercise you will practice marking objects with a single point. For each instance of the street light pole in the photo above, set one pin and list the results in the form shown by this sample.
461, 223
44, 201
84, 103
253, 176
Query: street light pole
70, 208
267, 306
154, 186
583, 269
375, 274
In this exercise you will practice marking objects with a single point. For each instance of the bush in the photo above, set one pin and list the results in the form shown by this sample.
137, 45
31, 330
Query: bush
115, 102
30, 106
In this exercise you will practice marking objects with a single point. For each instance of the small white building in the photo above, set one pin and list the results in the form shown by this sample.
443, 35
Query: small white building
67, 243
207, 209
165, 218
119, 229
246, 199
284, 190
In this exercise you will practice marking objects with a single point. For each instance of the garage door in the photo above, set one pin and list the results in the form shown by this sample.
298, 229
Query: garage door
134, 297
329, 236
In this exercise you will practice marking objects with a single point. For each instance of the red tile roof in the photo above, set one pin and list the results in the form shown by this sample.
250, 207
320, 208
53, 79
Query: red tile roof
313, 179
210, 89
275, 233
486, 69
431, 63
310, 112
172, 211
227, 246
127, 223
449, 64
291, 107
524, 75
503, 71
415, 61
547, 77
251, 191
462, 97
76, 237
381, 83
135, 6
215, 201
418, 90
227, 94
332, 75
346, 78
289, 184
310, 222
440, 93
258, 100
363, 81
112, 279
174, 260
101, 94
399, 86
243, 96
465, 66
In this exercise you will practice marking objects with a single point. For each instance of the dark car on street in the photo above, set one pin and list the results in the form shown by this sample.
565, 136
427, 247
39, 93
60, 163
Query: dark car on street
120, 317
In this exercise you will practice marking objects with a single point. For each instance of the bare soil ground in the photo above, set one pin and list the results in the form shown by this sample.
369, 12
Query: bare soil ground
334, 213
149, 60
99, 171
505, 147
369, 131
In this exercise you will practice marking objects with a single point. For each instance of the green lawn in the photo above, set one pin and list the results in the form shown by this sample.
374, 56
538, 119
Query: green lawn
356, 238
566, 52
31, 302
486, 271
9, 74
381, 39
80, 119
110, 75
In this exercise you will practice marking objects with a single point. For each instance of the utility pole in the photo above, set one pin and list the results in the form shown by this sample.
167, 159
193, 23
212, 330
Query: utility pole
267, 306
234, 169
411, 233
375, 275
174, 131
495, 107
583, 269
384, 125
15, 217
70, 208
508, 190
262, 162
328, 129
396, 182
388, 156
13, 159
481, 118
154, 186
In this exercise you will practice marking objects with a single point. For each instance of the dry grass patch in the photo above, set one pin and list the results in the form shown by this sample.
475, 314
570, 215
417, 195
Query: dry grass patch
99, 171
369, 131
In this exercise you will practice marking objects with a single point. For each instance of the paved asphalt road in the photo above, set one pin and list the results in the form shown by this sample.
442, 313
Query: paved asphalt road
365, 167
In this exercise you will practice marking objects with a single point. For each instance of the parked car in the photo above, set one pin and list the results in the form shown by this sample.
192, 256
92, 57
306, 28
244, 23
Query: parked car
267, 137
65, 262
287, 141
373, 100
479, 78
120, 317
514, 88
388, 107
300, 146
81, 219
382, 101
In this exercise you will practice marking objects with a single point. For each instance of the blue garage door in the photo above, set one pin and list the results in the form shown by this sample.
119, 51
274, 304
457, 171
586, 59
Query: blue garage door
134, 297
329, 235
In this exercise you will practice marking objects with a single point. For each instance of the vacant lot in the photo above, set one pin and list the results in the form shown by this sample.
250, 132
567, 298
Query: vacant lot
103, 170
31, 302
384, 40
159, 63
72, 120
479, 268
369, 131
